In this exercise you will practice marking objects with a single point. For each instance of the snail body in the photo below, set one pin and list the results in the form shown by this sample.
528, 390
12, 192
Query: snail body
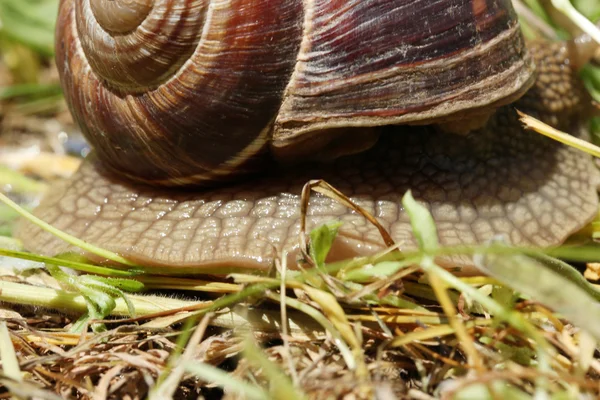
219, 104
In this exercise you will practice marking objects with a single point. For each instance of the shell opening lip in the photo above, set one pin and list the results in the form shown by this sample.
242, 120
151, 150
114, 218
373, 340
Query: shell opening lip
120, 16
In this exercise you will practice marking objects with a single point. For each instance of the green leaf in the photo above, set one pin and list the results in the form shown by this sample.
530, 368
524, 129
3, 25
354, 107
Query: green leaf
504, 296
128, 285
589, 8
30, 90
422, 223
99, 292
380, 270
538, 9
522, 355
281, 386
321, 240
577, 18
96, 283
18, 182
590, 75
100, 303
227, 381
542, 283
70, 260
395, 301
30, 22
564, 395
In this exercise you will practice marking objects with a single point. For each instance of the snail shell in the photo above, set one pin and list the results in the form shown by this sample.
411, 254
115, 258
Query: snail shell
186, 92
497, 180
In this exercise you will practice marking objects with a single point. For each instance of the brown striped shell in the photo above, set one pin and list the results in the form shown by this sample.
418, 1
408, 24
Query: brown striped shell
186, 92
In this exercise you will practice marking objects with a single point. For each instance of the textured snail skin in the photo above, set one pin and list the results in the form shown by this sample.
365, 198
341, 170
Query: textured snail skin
187, 92
500, 180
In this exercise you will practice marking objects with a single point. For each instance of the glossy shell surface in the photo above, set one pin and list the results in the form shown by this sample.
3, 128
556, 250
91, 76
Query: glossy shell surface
187, 92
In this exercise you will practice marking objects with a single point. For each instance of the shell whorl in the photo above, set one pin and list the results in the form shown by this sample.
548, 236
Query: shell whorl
136, 45
120, 16
183, 92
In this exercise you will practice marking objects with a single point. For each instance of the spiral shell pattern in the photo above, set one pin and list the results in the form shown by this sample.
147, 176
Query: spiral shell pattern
120, 16
136, 45
177, 92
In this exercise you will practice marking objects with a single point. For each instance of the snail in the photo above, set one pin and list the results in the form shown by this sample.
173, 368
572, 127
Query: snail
208, 117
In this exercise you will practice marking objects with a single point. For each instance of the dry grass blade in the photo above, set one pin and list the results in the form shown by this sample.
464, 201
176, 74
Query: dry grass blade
167, 388
577, 18
165, 282
26, 390
225, 380
10, 364
281, 387
328, 327
336, 314
281, 265
455, 321
320, 186
435, 332
547, 130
